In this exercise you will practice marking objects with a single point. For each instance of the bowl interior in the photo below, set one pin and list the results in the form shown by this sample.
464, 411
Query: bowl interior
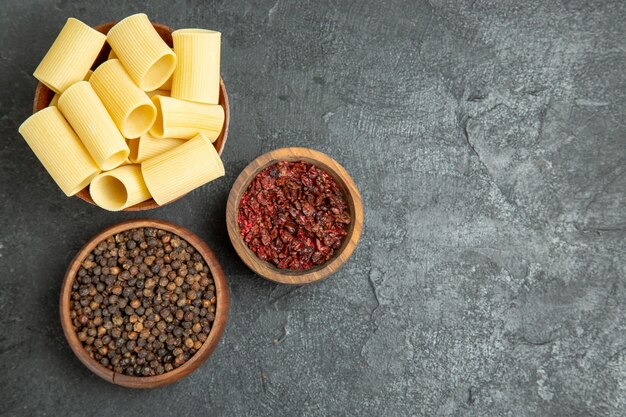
221, 313
44, 95
344, 190
350, 192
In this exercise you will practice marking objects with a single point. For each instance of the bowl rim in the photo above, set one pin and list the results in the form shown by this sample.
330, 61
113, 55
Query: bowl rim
42, 91
209, 345
350, 191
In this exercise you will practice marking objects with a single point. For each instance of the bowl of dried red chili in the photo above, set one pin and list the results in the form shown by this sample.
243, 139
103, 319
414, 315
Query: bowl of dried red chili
294, 216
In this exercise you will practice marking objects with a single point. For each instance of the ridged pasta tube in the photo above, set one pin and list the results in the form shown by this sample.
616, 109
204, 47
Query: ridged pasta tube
129, 106
120, 188
71, 55
92, 123
184, 119
55, 97
174, 173
146, 57
167, 85
197, 74
147, 146
59, 149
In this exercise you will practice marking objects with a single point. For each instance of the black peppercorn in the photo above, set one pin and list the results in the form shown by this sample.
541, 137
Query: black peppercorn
143, 302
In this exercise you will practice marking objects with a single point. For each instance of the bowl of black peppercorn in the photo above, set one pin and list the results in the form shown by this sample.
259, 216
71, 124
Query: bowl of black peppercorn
144, 303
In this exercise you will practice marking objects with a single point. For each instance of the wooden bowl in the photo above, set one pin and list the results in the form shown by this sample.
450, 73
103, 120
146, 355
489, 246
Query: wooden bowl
221, 313
345, 182
43, 96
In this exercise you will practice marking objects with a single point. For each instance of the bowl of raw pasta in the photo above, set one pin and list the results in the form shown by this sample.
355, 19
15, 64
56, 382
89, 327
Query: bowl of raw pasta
143, 126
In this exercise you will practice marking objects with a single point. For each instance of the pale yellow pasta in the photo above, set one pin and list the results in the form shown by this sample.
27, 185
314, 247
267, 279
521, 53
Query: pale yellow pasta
197, 74
164, 93
112, 55
184, 119
129, 106
181, 169
147, 146
167, 85
59, 149
92, 123
146, 57
120, 188
55, 98
127, 161
70, 56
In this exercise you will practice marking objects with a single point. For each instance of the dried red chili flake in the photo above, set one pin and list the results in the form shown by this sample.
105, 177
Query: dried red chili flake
293, 215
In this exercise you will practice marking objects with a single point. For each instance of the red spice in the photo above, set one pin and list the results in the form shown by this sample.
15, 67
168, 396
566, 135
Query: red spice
293, 215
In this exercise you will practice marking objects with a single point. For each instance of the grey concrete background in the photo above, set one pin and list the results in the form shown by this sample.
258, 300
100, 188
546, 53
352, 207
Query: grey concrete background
488, 139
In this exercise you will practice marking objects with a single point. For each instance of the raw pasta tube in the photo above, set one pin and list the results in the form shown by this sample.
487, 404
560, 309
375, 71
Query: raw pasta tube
146, 57
87, 115
55, 98
120, 188
112, 55
185, 119
70, 56
197, 74
60, 151
167, 85
176, 172
147, 146
129, 106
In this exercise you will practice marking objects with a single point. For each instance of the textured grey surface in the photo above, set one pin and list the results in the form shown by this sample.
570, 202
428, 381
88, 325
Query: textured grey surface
488, 139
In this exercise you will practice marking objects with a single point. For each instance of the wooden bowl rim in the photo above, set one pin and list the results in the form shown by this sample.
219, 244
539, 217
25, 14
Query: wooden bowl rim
217, 330
351, 192
222, 138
